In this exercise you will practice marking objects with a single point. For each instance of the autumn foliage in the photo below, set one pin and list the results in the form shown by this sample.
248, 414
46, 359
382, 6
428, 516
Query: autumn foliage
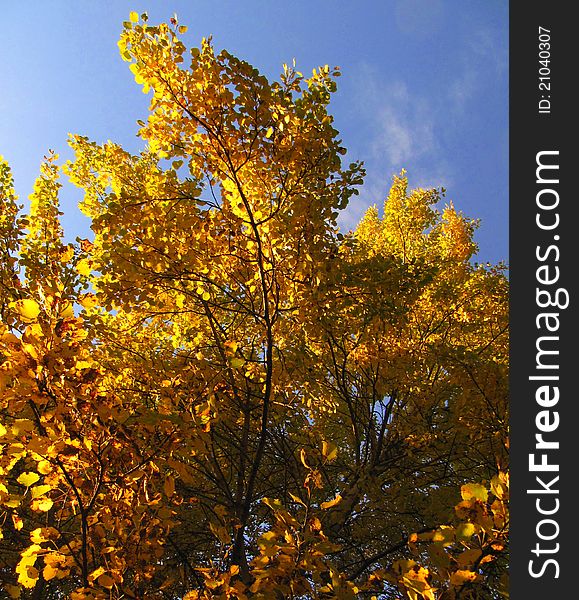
219, 395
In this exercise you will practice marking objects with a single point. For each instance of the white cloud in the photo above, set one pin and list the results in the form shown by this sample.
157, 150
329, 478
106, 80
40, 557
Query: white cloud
403, 125
404, 128
408, 127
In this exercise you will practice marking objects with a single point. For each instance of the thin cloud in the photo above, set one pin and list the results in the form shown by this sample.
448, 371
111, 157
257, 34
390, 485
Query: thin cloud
462, 90
403, 125
489, 47
407, 128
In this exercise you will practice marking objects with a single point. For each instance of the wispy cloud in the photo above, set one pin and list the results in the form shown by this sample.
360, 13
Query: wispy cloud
462, 90
409, 126
404, 126
485, 44
485, 58
401, 125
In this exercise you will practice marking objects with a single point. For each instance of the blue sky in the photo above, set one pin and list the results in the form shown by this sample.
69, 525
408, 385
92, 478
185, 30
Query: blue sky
424, 87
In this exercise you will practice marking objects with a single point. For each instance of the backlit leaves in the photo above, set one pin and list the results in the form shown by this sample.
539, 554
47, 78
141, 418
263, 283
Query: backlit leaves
221, 395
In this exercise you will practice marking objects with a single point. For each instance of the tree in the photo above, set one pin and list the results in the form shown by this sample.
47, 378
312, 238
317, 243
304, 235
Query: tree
222, 396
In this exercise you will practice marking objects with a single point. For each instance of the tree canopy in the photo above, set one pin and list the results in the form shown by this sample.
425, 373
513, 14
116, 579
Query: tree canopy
220, 395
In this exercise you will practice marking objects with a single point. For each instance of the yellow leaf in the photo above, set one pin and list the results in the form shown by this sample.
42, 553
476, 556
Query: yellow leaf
9, 338
49, 572
43, 505
17, 522
468, 557
220, 532
231, 346
44, 467
27, 574
88, 301
330, 503
134, 17
329, 450
273, 503
500, 485
14, 502
96, 573
22, 426
27, 309
269, 537
269, 132
28, 478
465, 531
39, 490
13, 591
444, 535
460, 577
82, 364
474, 490
67, 311
44, 534
66, 254
83, 267
297, 499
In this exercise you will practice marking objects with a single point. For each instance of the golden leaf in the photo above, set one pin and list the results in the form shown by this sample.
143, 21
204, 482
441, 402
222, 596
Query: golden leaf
50, 572
39, 490
27, 309
42, 504
329, 451
460, 577
28, 478
330, 503
474, 490
106, 581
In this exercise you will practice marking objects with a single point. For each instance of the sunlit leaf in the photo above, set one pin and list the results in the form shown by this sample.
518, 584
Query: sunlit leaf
475, 491
27, 309
330, 503
28, 478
